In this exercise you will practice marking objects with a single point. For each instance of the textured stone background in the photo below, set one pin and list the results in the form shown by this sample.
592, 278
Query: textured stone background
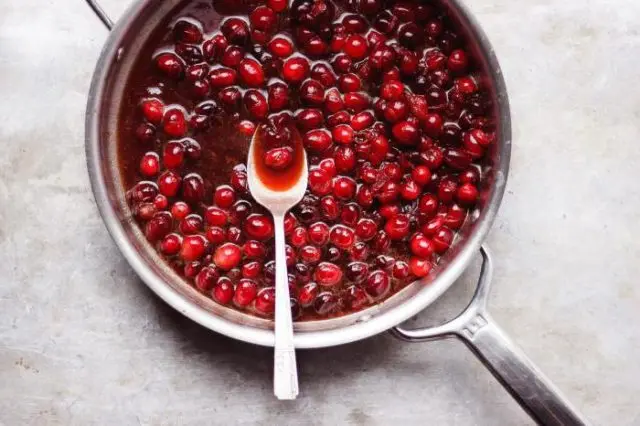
82, 340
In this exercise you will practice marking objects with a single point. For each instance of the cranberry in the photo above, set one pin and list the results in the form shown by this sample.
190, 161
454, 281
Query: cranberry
278, 95
193, 188
359, 251
361, 121
386, 22
341, 63
333, 101
356, 46
298, 237
408, 63
280, 47
343, 134
319, 181
328, 274
322, 73
169, 183
350, 214
329, 207
206, 278
192, 224
465, 86
421, 246
395, 111
307, 294
256, 104
428, 205
312, 93
175, 124
245, 293
317, 140
377, 284
254, 249
349, 83
215, 235
340, 117
180, 210
158, 227
214, 48
295, 69
223, 291
366, 229
227, 256
345, 159
382, 57
342, 237
277, 5
364, 196
171, 244
191, 269
410, 190
397, 227
467, 193
145, 132
150, 164
329, 166
170, 64
420, 267
263, 18
251, 269
189, 53
310, 254
325, 303
173, 154
433, 125
471, 175
400, 270
344, 187
457, 159
232, 56
235, 30
193, 247
251, 72
153, 110
239, 212
278, 158
319, 233
405, 133
436, 98
246, 127
442, 240
187, 32
259, 227
308, 119
388, 192
392, 90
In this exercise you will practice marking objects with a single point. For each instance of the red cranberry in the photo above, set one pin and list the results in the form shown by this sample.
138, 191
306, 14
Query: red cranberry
359, 251
246, 127
379, 149
410, 190
245, 293
319, 233
432, 157
395, 111
223, 291
428, 205
345, 159
214, 48
408, 62
193, 247
377, 284
328, 274
433, 125
356, 46
471, 175
311, 93
254, 249
251, 72
325, 303
410, 35
171, 244
350, 214
405, 133
388, 192
349, 83
418, 106
239, 212
397, 227
382, 57
266, 301
278, 94
232, 56
189, 53
467, 193
298, 237
436, 98
466, 86
343, 134
259, 227
169, 183
175, 124
329, 207
280, 47
344, 187
145, 132
215, 235
236, 31
442, 240
340, 117
458, 61
251, 269
153, 110
263, 18
170, 64
191, 269
307, 294
455, 216
364, 196
193, 188
319, 181
386, 22
323, 74
227, 256
158, 227
421, 175
310, 254
192, 224
400, 270
362, 120
277, 5
421, 246
295, 69
173, 154
256, 104
187, 32
375, 39
317, 140
366, 229
206, 278
420, 267
308, 119
329, 166
150, 164
278, 158
392, 90
341, 63
457, 159
333, 101
180, 210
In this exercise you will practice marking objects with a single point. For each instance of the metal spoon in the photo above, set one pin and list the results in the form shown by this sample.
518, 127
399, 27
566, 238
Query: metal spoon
285, 373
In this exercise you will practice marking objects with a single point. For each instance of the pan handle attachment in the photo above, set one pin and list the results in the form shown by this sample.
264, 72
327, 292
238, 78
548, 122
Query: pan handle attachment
517, 374
97, 9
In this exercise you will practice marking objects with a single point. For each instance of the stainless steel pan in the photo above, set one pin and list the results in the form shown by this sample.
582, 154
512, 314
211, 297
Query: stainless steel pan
474, 326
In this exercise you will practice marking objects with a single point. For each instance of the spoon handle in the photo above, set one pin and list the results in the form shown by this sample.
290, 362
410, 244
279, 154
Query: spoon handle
285, 371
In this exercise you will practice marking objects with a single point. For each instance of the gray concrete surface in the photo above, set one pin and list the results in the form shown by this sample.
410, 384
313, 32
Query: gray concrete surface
83, 342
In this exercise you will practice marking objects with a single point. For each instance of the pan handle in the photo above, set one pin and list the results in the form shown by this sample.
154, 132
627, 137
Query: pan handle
97, 9
519, 376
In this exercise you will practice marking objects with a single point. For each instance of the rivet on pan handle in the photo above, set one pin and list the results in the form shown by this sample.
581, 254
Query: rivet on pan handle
520, 377
97, 9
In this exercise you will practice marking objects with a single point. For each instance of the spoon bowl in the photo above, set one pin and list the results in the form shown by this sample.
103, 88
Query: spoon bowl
278, 201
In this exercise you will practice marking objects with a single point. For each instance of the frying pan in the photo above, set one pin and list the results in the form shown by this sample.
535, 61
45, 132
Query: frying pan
474, 326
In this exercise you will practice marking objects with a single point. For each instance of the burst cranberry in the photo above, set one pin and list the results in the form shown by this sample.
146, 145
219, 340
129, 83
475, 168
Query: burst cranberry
364, 196
392, 90
294, 70
344, 187
328, 274
278, 95
245, 293
317, 140
420, 267
410, 190
329, 208
319, 233
382, 57
170, 64
175, 124
397, 227
333, 101
400, 270
227, 256
457, 159
214, 48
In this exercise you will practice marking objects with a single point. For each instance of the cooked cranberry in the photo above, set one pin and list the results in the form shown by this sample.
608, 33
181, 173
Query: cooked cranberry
466, 85
442, 240
400, 270
223, 291
153, 110
193, 188
342, 237
189, 53
214, 48
421, 175
359, 251
251, 72
310, 254
263, 18
277, 5
259, 227
298, 237
467, 193
317, 140
312, 93
308, 119
350, 214
318, 233
245, 293
193, 247
171, 244
341, 63
408, 63
344, 187
375, 39
349, 83
361, 121
329, 166
436, 98
227, 256
420, 267
328, 274
382, 57
356, 101
170, 64
180, 210
207, 278
405, 133
325, 303
232, 56
366, 229
323, 74
457, 159
150, 164
392, 90
235, 30
410, 35
377, 284
379, 149
319, 181
254, 249
386, 22
295, 69
397, 227
160, 202
278, 95
471, 175
307, 294
364, 196
192, 224
329, 207
333, 101
343, 134
173, 154
175, 124
256, 104
187, 32
239, 212
410, 190
421, 246
345, 159
145, 132
191, 269
215, 235
395, 111
280, 47
278, 158
169, 183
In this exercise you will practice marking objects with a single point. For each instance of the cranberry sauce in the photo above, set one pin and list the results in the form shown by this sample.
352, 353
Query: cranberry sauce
384, 96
